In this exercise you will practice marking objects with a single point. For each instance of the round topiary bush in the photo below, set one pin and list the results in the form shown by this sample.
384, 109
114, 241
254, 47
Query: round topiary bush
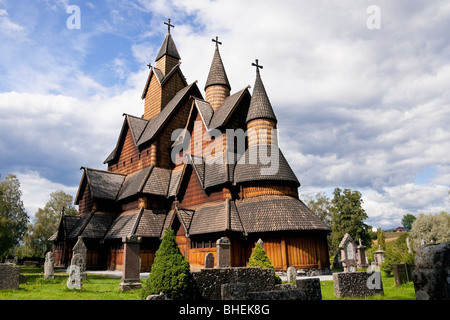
170, 270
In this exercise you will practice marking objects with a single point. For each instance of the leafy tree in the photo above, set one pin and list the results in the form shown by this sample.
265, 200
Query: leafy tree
320, 204
46, 222
381, 239
347, 216
430, 228
397, 253
13, 217
170, 269
408, 220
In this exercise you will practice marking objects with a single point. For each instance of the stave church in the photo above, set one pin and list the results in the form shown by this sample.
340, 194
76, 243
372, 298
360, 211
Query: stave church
207, 166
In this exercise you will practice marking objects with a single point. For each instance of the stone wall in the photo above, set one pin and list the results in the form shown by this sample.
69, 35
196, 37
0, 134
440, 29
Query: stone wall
207, 283
357, 284
9, 277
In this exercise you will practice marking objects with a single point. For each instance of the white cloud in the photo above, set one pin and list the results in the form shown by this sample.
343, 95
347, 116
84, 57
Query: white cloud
36, 190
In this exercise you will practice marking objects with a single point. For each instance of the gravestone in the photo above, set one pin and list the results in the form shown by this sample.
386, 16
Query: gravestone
49, 272
431, 275
361, 256
357, 284
379, 256
132, 264
402, 273
79, 256
9, 277
337, 263
223, 252
348, 253
209, 260
291, 274
75, 280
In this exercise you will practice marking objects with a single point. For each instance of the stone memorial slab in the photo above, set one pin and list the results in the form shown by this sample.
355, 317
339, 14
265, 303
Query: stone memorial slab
291, 274
132, 264
49, 272
357, 284
9, 277
79, 257
209, 260
348, 253
223, 252
431, 275
75, 280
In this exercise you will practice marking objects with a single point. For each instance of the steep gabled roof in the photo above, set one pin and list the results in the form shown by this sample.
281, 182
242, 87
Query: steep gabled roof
103, 184
134, 183
162, 80
154, 126
225, 111
135, 125
260, 106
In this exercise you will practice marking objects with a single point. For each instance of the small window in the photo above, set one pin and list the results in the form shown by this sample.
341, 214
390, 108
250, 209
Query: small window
207, 244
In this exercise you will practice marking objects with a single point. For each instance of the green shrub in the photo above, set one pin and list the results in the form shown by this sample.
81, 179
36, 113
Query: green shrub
170, 270
397, 252
258, 258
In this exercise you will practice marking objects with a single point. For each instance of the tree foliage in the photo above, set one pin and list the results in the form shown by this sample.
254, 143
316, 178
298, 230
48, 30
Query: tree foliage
397, 253
347, 216
170, 269
407, 221
13, 217
433, 227
381, 239
259, 258
320, 204
45, 223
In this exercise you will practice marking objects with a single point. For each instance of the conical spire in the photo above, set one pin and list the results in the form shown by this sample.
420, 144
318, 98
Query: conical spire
260, 107
217, 74
168, 56
168, 48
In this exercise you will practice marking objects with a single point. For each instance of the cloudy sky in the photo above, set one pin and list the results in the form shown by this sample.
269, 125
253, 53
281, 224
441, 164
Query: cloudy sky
361, 89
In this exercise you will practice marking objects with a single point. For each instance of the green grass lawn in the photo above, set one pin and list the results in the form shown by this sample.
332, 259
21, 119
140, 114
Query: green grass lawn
98, 287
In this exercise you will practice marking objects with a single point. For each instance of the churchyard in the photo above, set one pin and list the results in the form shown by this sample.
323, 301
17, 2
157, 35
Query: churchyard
105, 287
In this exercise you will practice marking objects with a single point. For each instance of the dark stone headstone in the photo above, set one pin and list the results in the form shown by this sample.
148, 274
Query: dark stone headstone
311, 288
209, 260
357, 284
223, 252
402, 273
9, 277
131, 266
431, 275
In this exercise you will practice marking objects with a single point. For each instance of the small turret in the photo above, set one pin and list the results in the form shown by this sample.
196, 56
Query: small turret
217, 87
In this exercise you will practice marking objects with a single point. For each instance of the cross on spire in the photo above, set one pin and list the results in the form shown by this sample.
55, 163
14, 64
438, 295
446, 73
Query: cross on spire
169, 25
217, 41
257, 65
149, 65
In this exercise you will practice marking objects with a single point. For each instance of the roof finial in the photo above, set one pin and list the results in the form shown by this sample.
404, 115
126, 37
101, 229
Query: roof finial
257, 65
217, 41
169, 26
149, 65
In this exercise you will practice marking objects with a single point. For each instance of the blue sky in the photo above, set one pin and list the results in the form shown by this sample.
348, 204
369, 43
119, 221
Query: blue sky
360, 108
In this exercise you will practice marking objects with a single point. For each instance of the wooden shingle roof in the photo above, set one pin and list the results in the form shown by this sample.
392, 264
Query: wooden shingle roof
277, 213
264, 164
168, 48
217, 74
260, 106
